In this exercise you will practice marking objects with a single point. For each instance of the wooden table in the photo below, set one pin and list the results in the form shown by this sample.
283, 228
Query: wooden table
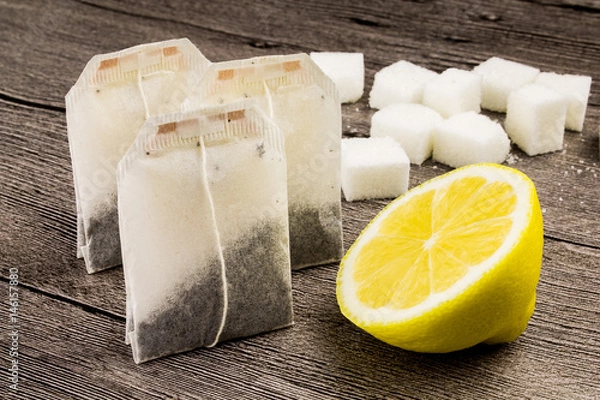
71, 325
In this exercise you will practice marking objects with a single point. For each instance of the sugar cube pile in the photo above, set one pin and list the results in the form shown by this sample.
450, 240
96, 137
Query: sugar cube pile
401, 82
431, 114
438, 115
535, 118
409, 124
469, 138
373, 168
346, 70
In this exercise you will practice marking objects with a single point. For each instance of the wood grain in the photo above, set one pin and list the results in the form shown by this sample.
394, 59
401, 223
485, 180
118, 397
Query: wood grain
435, 34
73, 323
323, 356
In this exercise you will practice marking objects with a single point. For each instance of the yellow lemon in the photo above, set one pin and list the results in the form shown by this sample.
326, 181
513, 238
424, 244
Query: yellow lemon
452, 263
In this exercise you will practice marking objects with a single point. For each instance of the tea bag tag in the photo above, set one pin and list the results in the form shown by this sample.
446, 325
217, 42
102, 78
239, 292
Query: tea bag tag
143, 62
260, 72
209, 123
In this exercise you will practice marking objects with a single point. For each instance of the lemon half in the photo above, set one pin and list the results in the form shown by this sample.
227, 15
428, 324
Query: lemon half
452, 263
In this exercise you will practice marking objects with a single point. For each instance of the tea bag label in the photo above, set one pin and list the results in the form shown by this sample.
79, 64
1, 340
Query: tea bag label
134, 65
260, 72
207, 124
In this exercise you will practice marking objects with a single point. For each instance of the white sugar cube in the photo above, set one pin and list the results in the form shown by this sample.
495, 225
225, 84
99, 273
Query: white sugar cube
411, 125
454, 91
500, 78
535, 119
346, 70
469, 138
576, 88
401, 82
373, 168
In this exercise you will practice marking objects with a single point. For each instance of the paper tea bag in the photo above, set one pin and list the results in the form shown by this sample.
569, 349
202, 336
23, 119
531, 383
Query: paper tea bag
204, 230
105, 110
303, 102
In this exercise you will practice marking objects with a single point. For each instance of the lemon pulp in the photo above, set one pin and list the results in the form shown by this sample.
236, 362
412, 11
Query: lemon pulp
421, 247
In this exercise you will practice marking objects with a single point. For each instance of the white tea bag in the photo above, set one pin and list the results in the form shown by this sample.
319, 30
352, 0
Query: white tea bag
303, 102
106, 108
204, 230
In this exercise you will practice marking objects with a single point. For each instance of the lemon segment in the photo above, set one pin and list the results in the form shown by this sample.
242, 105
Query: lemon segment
452, 263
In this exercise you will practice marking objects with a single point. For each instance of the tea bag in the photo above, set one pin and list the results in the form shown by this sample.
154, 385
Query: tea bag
204, 230
303, 102
106, 108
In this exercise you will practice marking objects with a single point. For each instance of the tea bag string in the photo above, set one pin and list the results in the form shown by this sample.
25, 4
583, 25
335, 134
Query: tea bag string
269, 99
218, 237
142, 94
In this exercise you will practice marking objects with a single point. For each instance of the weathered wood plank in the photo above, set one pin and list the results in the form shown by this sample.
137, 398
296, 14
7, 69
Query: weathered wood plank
73, 325
435, 34
347, 25
38, 218
46, 45
81, 354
